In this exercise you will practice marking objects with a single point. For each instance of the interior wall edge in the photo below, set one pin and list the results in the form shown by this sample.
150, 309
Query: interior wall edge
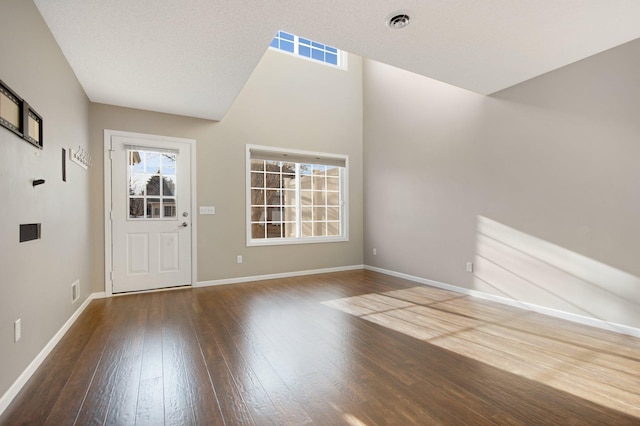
556, 313
26, 374
240, 280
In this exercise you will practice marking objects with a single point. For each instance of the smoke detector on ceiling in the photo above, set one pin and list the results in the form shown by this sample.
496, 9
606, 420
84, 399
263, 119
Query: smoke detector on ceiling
398, 20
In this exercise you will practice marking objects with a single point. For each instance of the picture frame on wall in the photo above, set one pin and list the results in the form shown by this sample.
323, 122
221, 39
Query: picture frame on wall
19, 117
11, 107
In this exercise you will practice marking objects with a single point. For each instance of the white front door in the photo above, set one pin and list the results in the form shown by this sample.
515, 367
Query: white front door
150, 213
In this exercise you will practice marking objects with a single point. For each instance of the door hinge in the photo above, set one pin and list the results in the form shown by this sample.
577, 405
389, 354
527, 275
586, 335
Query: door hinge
111, 151
111, 276
111, 214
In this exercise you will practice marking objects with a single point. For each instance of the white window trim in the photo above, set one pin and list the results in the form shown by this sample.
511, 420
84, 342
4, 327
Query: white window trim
342, 55
344, 204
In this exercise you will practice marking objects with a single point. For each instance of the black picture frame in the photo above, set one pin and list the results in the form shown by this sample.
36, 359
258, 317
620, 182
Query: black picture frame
33, 127
10, 100
17, 116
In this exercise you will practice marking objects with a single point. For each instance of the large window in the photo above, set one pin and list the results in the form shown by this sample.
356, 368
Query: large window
295, 196
300, 46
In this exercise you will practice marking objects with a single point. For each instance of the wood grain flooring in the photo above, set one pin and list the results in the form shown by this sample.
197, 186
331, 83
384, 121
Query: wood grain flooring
352, 348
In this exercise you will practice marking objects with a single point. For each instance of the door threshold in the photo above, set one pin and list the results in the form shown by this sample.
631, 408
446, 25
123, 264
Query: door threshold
155, 290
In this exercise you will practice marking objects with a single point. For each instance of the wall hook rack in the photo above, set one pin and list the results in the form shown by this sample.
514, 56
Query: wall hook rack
81, 157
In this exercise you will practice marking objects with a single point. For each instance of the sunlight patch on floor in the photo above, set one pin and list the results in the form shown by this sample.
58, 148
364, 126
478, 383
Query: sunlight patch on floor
600, 367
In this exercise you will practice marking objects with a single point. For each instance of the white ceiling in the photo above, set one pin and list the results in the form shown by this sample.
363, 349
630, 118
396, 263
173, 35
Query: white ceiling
192, 57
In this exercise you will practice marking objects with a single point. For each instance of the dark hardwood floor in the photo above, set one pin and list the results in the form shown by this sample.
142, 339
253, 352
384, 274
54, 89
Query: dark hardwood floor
352, 348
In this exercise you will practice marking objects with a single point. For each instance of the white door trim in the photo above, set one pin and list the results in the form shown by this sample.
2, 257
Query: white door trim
108, 258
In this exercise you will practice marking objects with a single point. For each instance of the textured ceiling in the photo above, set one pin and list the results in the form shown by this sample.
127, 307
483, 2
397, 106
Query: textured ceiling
193, 57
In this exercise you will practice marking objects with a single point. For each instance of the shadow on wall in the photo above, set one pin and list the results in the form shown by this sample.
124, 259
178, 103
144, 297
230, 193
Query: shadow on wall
524, 268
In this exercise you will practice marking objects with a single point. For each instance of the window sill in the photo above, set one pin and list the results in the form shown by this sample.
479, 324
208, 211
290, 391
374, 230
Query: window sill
289, 241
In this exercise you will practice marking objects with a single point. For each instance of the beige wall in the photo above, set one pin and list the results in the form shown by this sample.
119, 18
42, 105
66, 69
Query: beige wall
288, 103
538, 185
36, 276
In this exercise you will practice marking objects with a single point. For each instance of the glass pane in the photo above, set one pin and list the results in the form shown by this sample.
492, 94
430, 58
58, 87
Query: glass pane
319, 198
274, 43
304, 51
275, 215
333, 183
153, 185
333, 171
169, 207
152, 162
305, 182
257, 180
304, 41
152, 174
318, 183
307, 213
168, 164
307, 229
333, 198
332, 59
257, 197
333, 213
289, 198
136, 184
169, 186
289, 214
318, 45
305, 198
135, 162
285, 36
258, 214
289, 168
273, 180
318, 55
319, 213
331, 49
257, 165
274, 231
258, 230
136, 207
333, 228
289, 230
287, 46
273, 198
305, 169
154, 208
319, 229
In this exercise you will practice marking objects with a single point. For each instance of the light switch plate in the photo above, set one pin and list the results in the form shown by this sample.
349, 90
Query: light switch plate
207, 210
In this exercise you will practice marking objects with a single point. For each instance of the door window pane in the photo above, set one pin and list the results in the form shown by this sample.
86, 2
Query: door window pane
152, 179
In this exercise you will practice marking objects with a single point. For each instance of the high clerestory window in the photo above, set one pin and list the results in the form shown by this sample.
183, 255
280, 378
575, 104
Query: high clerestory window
295, 196
309, 49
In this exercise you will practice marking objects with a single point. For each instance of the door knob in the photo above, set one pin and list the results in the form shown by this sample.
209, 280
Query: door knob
184, 225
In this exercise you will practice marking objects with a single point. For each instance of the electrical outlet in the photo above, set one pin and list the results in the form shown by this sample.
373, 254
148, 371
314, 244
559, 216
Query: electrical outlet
17, 330
239, 259
207, 210
469, 266
375, 252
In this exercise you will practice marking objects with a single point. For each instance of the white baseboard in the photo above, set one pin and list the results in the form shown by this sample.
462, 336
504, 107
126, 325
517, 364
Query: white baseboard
581, 319
277, 276
33, 366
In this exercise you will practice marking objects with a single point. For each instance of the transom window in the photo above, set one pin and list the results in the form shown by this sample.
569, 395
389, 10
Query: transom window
151, 177
295, 196
299, 46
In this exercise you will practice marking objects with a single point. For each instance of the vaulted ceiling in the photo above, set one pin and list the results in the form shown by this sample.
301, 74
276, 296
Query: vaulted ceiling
192, 57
